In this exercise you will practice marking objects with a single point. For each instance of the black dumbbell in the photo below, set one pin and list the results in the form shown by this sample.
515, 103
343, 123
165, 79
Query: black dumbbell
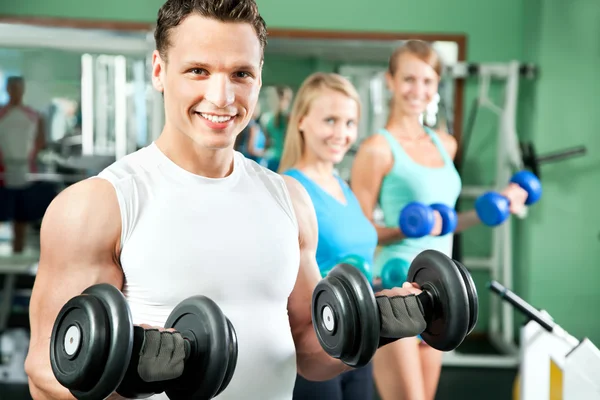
93, 340
346, 315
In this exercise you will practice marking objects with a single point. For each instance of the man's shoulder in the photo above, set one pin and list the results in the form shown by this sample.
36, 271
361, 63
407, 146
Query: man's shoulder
29, 112
133, 164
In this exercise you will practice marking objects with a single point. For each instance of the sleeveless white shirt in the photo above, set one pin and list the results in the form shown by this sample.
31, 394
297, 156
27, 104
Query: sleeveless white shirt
18, 130
233, 239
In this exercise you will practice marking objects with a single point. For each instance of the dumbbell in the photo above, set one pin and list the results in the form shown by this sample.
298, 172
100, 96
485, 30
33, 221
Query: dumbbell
348, 321
356, 261
417, 219
394, 272
94, 348
493, 208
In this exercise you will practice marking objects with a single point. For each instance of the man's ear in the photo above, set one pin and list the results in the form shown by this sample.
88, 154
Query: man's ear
158, 69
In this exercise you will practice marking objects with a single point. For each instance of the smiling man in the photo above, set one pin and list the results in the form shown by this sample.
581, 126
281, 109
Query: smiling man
187, 216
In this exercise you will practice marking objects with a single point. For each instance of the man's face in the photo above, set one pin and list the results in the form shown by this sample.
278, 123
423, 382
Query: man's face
211, 80
15, 90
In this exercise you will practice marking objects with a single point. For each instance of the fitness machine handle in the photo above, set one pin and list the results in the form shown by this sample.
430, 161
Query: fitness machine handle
561, 155
522, 305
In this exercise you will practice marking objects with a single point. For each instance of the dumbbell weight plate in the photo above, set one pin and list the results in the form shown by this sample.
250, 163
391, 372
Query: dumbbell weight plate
91, 342
345, 316
437, 274
471, 294
203, 324
233, 354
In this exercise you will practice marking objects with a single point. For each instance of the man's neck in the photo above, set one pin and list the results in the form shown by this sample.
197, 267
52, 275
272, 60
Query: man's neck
209, 163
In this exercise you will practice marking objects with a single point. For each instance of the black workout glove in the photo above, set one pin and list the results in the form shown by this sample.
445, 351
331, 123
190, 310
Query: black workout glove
157, 357
401, 317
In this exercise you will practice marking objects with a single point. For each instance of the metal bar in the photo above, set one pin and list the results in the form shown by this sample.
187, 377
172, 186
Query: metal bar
472, 192
52, 177
495, 70
7, 300
87, 104
561, 155
454, 359
478, 263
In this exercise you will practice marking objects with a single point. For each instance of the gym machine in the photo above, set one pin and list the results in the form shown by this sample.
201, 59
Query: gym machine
511, 156
554, 364
14, 342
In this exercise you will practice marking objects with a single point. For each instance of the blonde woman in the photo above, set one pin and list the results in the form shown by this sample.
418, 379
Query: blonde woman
402, 163
322, 127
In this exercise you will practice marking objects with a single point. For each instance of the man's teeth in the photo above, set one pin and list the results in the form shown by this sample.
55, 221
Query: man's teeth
215, 118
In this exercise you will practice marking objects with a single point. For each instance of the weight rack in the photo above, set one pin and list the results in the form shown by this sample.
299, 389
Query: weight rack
508, 161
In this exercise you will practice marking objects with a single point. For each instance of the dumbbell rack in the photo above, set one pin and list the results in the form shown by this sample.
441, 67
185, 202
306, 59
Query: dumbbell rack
508, 161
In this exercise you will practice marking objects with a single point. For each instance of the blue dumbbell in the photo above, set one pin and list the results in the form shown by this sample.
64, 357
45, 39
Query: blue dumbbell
360, 263
417, 219
493, 208
394, 273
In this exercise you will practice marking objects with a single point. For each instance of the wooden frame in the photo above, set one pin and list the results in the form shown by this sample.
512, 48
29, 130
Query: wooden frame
460, 39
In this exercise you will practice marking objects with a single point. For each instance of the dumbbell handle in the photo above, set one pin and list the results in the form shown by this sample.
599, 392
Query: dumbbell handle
426, 300
522, 306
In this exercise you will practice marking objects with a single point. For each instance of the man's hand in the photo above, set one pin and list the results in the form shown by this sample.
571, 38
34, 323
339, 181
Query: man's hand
407, 289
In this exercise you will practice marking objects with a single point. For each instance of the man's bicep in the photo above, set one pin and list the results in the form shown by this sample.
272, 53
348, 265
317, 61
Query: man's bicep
78, 238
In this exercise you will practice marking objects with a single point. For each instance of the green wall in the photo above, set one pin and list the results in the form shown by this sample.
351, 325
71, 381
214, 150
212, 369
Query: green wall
556, 248
494, 28
560, 242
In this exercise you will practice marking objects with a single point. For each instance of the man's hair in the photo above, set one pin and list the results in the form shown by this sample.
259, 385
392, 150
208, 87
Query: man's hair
11, 80
173, 12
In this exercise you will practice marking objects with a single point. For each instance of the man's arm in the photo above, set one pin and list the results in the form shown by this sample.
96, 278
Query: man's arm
79, 240
313, 362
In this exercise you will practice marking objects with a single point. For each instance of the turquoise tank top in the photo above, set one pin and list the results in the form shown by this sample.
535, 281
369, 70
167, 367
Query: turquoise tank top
277, 135
343, 228
409, 181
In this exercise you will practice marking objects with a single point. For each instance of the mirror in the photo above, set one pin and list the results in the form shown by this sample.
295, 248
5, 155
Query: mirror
91, 90
289, 60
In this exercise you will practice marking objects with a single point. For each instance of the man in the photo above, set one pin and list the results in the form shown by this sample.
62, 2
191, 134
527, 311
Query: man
187, 215
21, 138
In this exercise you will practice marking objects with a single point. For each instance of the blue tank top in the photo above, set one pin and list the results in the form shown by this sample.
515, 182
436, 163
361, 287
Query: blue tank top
343, 228
409, 181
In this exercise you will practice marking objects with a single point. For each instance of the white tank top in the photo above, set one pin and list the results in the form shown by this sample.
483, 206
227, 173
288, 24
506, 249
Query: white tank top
18, 130
233, 239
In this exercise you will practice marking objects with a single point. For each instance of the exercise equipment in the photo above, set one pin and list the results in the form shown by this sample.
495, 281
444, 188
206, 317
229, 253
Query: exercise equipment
394, 272
506, 76
493, 208
346, 315
356, 261
533, 162
554, 364
14, 300
93, 339
14, 344
417, 219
